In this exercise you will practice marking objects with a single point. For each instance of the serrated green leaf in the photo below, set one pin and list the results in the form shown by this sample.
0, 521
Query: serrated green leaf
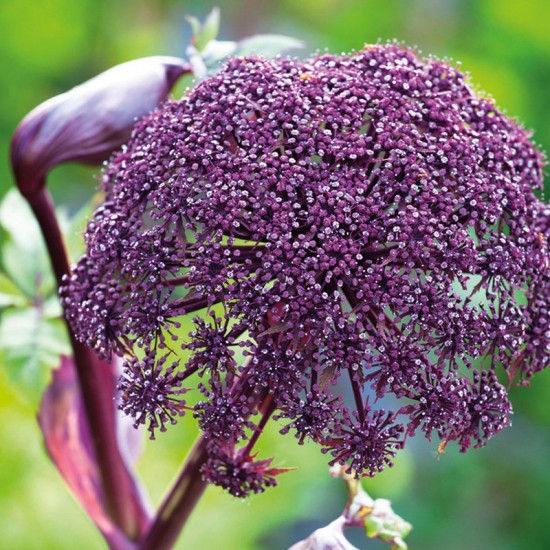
31, 344
24, 255
267, 44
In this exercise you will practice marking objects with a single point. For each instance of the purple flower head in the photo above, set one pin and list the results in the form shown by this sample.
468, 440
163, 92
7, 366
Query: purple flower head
150, 393
440, 405
488, 410
350, 227
238, 472
311, 417
367, 444
223, 417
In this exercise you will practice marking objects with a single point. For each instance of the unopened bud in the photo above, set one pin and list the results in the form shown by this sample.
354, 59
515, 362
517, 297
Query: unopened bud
87, 123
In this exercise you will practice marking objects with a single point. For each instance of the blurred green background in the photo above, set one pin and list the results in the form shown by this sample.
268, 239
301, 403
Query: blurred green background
493, 498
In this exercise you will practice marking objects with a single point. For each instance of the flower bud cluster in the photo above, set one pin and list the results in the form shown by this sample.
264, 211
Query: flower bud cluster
357, 226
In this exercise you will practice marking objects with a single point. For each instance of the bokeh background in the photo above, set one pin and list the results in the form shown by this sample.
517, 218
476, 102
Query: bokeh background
491, 498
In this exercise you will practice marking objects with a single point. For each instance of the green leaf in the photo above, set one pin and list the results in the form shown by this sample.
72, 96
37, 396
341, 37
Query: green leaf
10, 294
218, 50
195, 25
31, 344
204, 33
17, 219
206, 53
24, 255
211, 26
383, 523
29, 270
269, 45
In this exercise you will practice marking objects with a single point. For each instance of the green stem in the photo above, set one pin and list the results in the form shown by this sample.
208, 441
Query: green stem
119, 491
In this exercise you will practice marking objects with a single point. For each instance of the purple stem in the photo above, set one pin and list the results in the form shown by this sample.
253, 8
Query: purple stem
179, 503
187, 490
268, 407
357, 396
119, 491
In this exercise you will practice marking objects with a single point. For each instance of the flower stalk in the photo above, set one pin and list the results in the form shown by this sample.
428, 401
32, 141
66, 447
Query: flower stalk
179, 502
85, 125
118, 488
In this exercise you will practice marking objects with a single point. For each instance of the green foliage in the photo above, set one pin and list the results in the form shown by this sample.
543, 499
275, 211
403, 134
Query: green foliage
10, 294
204, 33
206, 53
31, 343
23, 254
269, 45
388, 527
32, 334
375, 515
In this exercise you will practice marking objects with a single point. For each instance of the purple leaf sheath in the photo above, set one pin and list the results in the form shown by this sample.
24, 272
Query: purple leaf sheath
67, 439
89, 121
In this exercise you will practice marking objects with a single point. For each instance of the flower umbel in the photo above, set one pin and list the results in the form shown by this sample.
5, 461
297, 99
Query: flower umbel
150, 393
364, 221
238, 472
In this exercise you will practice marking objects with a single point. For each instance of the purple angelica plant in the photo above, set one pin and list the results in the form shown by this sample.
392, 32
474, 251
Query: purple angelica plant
362, 225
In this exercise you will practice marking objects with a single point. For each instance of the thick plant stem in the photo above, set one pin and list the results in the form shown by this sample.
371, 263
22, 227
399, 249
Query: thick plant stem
186, 492
179, 503
118, 488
